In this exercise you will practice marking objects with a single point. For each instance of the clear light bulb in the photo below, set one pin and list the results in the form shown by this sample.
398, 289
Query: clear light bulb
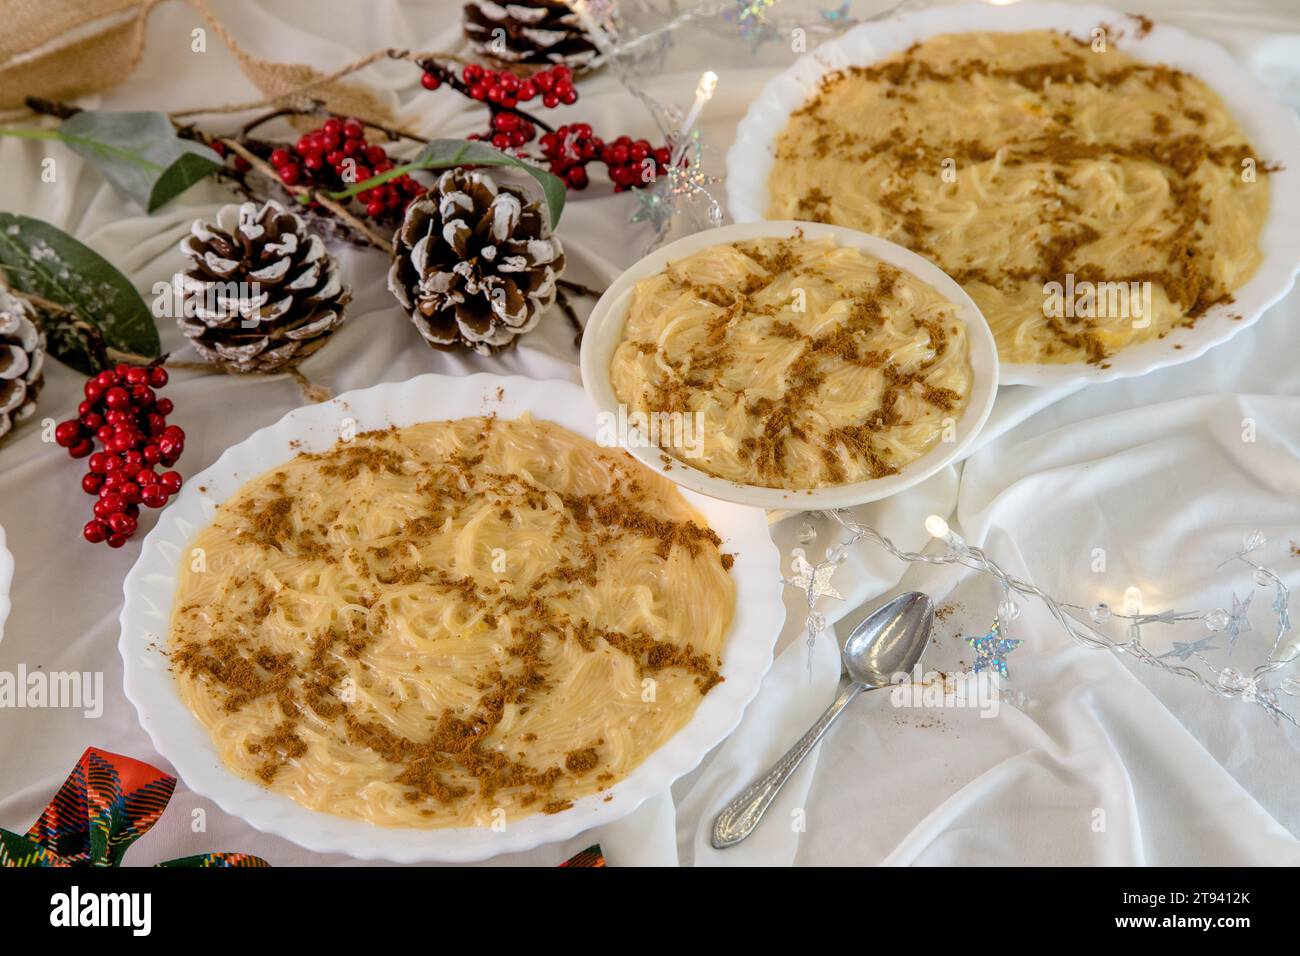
1231, 679
807, 533
1132, 601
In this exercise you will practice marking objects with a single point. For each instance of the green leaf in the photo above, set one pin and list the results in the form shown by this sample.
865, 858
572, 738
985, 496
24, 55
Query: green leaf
42, 260
188, 169
446, 153
140, 153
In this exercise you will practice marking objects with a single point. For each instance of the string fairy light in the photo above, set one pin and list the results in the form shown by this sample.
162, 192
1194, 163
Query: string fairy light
1185, 660
661, 34
755, 22
703, 93
607, 41
685, 187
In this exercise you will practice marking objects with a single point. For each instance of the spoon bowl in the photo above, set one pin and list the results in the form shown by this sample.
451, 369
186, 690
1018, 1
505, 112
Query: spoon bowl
890, 640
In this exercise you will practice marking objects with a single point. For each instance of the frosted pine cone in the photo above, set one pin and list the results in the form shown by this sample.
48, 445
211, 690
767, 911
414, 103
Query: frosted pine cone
474, 263
544, 32
22, 356
261, 292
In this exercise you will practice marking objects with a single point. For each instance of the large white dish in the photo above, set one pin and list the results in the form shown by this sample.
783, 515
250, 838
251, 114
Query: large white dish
179, 736
604, 331
1271, 127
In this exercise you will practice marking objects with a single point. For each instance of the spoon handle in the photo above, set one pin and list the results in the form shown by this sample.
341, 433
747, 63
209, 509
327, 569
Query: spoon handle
738, 818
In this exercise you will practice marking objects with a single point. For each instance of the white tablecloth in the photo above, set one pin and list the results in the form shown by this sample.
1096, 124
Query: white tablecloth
1105, 763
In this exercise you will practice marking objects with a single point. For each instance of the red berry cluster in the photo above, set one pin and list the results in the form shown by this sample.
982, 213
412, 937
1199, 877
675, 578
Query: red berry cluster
628, 161
336, 156
240, 163
124, 413
509, 131
503, 91
567, 150
554, 85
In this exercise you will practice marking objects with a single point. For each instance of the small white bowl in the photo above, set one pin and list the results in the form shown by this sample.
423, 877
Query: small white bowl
605, 331
1271, 126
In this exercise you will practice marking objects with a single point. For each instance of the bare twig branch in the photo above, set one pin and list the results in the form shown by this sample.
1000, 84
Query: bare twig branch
579, 288
566, 307
310, 391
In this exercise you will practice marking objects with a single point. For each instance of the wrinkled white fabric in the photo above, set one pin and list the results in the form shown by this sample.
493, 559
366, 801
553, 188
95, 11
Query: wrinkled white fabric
1107, 762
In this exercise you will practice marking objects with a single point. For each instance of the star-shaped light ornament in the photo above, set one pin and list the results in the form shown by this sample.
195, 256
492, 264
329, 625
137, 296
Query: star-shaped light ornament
751, 17
1280, 605
836, 14
992, 649
655, 208
684, 184
1237, 621
1185, 649
815, 580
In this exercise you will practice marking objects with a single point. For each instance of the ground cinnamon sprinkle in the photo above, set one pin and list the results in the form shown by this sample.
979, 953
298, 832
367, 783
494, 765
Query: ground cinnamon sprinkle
786, 418
280, 746
581, 761
618, 514
815, 205
1180, 154
461, 754
350, 462
650, 653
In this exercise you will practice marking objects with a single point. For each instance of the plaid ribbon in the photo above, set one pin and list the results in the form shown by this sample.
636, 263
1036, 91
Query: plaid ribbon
106, 804
110, 801
588, 857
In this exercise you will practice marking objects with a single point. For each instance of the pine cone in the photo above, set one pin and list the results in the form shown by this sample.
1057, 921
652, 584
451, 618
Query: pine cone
545, 32
474, 263
261, 293
22, 356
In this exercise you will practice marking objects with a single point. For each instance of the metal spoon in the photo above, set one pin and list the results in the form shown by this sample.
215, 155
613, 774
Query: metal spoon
888, 641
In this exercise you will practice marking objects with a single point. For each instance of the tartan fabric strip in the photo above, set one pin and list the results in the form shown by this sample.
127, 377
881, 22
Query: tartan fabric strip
106, 804
592, 856
221, 860
18, 850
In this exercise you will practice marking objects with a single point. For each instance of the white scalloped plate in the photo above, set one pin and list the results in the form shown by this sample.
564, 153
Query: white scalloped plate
178, 736
1271, 127
604, 331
